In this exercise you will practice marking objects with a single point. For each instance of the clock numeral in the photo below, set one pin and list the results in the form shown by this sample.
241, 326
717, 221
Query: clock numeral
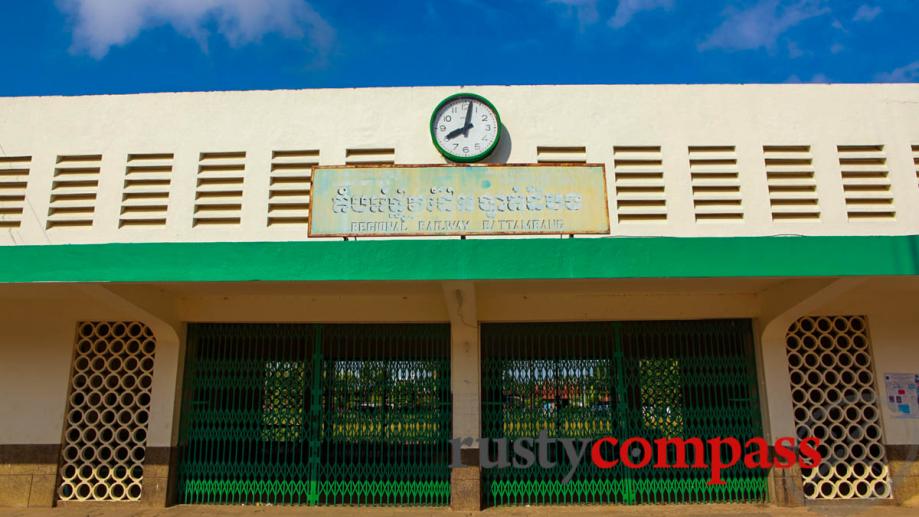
455, 146
488, 127
484, 118
478, 147
443, 127
466, 150
448, 118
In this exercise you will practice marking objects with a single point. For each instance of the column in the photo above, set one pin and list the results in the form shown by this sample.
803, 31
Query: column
465, 481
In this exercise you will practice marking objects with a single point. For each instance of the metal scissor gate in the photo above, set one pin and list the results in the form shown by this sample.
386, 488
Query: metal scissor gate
316, 414
629, 379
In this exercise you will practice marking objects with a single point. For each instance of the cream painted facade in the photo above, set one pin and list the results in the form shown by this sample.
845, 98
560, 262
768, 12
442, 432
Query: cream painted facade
681, 161
41, 357
545, 123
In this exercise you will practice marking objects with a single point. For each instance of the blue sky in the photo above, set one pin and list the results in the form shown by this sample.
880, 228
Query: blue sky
76, 47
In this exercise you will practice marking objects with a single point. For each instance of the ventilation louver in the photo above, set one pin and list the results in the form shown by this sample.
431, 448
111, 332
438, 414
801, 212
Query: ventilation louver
715, 183
219, 192
14, 174
792, 184
73, 191
639, 181
146, 190
379, 156
561, 154
916, 162
866, 182
289, 191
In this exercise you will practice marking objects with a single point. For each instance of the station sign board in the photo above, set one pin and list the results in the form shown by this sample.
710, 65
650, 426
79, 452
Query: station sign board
402, 201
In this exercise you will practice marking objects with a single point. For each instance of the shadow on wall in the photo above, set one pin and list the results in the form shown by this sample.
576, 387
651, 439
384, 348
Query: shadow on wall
503, 151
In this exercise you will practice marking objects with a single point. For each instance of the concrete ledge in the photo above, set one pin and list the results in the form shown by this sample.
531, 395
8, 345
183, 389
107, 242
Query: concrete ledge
28, 475
904, 472
159, 464
466, 489
788, 487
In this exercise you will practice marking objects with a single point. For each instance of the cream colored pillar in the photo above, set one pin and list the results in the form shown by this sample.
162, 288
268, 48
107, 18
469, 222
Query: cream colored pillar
158, 312
465, 375
780, 307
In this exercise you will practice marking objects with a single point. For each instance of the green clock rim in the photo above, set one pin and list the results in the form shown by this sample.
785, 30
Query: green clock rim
465, 159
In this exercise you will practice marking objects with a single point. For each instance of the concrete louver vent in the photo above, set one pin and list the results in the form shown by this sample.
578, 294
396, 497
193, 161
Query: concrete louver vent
74, 190
146, 190
715, 183
289, 189
219, 190
14, 174
916, 162
791, 182
561, 154
866, 182
639, 182
376, 156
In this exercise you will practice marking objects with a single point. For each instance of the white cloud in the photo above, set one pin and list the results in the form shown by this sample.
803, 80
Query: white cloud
815, 79
905, 74
100, 25
586, 10
867, 13
627, 9
760, 25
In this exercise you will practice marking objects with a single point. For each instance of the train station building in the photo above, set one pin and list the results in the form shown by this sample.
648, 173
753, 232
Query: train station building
374, 296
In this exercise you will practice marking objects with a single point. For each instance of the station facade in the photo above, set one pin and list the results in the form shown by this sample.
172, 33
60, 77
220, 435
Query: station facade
244, 297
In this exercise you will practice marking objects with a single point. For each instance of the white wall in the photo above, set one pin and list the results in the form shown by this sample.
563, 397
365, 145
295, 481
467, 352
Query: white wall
37, 329
595, 117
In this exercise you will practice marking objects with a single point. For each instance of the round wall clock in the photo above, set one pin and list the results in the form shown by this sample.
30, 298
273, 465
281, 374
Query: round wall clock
465, 127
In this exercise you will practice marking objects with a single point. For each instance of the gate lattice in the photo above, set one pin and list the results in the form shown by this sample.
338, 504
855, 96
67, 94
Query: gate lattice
316, 414
630, 379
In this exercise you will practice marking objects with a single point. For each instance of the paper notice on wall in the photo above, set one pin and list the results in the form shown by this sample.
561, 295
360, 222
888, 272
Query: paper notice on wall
903, 394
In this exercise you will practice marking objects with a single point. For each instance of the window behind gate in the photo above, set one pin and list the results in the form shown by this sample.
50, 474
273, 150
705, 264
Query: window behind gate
621, 379
316, 414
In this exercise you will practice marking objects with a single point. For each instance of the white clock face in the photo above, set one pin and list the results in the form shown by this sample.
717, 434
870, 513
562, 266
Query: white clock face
465, 128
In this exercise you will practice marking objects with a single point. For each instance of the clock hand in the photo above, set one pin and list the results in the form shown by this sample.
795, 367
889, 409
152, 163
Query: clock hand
467, 125
460, 131
456, 132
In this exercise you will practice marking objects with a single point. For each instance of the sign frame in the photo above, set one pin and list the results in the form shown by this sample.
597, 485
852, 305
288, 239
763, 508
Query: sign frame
318, 168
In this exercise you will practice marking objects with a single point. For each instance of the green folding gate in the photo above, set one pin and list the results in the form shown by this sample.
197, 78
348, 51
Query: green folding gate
316, 414
629, 379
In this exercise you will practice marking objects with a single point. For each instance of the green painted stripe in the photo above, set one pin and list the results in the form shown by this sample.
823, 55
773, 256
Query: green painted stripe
454, 259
